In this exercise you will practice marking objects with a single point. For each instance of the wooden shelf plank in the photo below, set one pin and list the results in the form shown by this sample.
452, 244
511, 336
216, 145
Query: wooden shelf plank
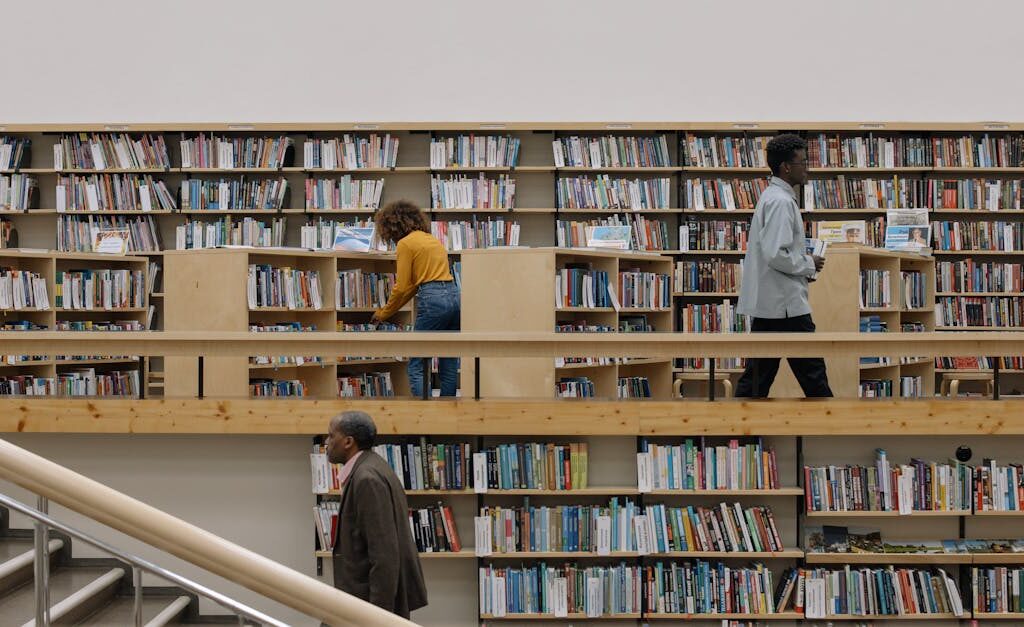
979, 293
947, 616
997, 558
706, 294
888, 558
571, 616
705, 253
732, 616
794, 491
999, 615
569, 555
463, 554
991, 513
864, 514
753, 555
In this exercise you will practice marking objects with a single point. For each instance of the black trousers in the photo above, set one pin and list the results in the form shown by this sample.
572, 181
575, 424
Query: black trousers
757, 378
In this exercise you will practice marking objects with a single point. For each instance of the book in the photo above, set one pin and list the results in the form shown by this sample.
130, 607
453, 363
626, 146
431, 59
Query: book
350, 152
228, 153
343, 193
479, 151
611, 151
614, 237
459, 235
110, 241
354, 239
465, 192
604, 192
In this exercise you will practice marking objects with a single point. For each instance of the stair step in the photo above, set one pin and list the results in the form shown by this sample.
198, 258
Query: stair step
19, 605
86, 600
171, 613
119, 611
18, 568
13, 547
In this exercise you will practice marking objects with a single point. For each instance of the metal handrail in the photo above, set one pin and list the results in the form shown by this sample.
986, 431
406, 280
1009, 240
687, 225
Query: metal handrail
139, 564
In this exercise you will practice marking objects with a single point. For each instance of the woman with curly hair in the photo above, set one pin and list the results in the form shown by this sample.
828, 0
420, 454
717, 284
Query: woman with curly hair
423, 272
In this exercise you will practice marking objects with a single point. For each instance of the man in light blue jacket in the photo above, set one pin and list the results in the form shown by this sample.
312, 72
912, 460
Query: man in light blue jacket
776, 271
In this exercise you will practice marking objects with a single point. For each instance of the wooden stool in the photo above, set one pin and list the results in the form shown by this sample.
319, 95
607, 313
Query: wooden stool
677, 385
950, 385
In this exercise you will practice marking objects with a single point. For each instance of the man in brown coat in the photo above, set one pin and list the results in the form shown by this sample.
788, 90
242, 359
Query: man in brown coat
375, 556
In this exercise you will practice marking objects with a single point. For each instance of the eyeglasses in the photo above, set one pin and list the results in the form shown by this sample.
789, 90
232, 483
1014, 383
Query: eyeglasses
803, 163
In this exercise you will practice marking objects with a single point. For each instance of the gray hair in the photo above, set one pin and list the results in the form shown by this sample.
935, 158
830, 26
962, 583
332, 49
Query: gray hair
358, 425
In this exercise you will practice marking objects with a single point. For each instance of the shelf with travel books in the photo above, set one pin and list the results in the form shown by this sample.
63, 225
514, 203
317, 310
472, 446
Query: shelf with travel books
603, 290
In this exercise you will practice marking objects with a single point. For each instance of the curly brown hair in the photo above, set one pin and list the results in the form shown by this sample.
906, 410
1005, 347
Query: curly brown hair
399, 218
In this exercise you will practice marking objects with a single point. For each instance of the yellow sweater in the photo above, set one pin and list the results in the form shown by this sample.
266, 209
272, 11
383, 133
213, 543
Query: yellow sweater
421, 259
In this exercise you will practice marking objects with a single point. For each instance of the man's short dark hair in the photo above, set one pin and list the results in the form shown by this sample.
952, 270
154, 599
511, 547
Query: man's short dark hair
359, 426
782, 148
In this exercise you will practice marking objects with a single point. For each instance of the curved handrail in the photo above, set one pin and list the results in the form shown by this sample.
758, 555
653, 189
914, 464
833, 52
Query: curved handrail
188, 542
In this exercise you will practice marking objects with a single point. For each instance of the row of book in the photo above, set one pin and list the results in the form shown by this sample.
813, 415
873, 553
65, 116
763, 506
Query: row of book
873, 230
103, 288
712, 318
647, 290
461, 235
977, 194
604, 192
980, 311
987, 151
918, 486
718, 151
350, 152
474, 151
80, 382
874, 388
227, 232
911, 386
645, 234
713, 235
978, 276
465, 192
633, 387
532, 465
871, 151
13, 151
559, 591
113, 192
581, 287
424, 465
7, 233
699, 465
915, 289
713, 275
886, 591
102, 151
292, 288
242, 193
282, 360
343, 193
227, 153
875, 288
575, 387
970, 236
320, 234
723, 527
998, 589
433, 529
277, 388
611, 151
571, 528
728, 194
22, 290
17, 192
366, 385
76, 233
890, 193
702, 587
357, 288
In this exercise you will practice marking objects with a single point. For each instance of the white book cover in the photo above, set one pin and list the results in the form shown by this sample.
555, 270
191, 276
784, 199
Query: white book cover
97, 157
560, 598
145, 198
643, 534
498, 596
482, 533
58, 157
604, 535
92, 197
480, 473
643, 472
814, 602
62, 199
595, 597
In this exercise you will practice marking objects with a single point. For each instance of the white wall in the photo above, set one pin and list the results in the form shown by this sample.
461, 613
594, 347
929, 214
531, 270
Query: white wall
524, 60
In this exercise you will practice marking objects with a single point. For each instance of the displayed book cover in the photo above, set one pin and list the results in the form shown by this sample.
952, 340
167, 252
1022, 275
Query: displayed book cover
615, 237
814, 539
837, 231
353, 238
110, 241
863, 540
907, 229
837, 539
913, 546
993, 546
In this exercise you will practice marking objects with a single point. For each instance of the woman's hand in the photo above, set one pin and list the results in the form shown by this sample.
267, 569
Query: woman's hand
375, 318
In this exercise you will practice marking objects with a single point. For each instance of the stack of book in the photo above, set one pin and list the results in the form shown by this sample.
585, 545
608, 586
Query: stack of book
987, 151
575, 387
725, 152
17, 192
81, 382
325, 518
915, 290
430, 465
998, 488
560, 591
723, 527
462, 235
22, 289
880, 592
712, 318
262, 194
228, 153
980, 311
104, 288
228, 232
75, 233
645, 234
292, 288
577, 285
113, 192
697, 465
644, 290
611, 151
343, 193
875, 288
13, 151
825, 151
532, 466
356, 288
350, 152
977, 194
96, 151
728, 194
997, 589
995, 236
465, 192
843, 193
713, 235
277, 388
474, 151
711, 276
367, 384
434, 530
633, 387
978, 276
604, 192
710, 588
918, 486
570, 528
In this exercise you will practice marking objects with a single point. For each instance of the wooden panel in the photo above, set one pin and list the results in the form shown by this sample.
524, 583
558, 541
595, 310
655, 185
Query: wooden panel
518, 417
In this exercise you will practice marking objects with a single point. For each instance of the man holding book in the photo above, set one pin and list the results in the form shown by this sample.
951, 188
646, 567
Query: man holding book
375, 555
776, 271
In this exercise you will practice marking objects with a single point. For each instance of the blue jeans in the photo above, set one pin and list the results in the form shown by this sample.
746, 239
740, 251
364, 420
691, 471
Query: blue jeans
437, 309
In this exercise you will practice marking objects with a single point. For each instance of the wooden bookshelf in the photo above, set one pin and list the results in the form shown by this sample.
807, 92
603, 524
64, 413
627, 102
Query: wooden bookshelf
870, 617
49, 265
888, 558
551, 617
196, 298
835, 301
865, 514
498, 304
723, 616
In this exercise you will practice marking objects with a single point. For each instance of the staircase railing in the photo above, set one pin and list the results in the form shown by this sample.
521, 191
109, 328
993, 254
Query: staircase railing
52, 482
